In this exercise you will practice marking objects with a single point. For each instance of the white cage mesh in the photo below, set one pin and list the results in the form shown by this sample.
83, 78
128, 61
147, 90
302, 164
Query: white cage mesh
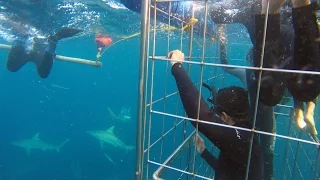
169, 151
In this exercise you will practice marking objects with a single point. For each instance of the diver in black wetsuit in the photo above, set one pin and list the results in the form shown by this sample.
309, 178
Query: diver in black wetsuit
270, 94
231, 107
41, 52
272, 83
265, 116
301, 90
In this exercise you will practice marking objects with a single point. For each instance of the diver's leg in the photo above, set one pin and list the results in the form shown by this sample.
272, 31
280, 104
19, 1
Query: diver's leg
17, 56
272, 83
44, 67
305, 87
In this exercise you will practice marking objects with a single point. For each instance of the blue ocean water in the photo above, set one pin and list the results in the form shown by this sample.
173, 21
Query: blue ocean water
75, 98
72, 100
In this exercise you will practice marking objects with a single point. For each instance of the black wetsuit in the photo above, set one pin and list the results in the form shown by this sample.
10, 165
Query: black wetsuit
277, 36
305, 55
265, 114
234, 144
42, 52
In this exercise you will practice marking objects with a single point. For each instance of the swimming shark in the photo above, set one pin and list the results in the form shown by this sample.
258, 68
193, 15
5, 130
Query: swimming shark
124, 115
36, 143
108, 137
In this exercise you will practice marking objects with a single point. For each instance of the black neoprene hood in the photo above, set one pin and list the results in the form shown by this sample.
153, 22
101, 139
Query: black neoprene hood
233, 101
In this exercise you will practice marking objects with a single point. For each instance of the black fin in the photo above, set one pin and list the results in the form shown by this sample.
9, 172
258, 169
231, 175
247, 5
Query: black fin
17, 57
45, 66
213, 92
64, 32
206, 86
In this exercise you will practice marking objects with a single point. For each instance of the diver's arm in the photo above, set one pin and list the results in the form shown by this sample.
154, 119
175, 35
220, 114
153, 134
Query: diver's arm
204, 153
210, 159
239, 73
189, 95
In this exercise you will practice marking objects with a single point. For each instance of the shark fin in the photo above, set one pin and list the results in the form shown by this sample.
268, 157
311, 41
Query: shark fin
28, 150
61, 145
101, 144
110, 130
36, 137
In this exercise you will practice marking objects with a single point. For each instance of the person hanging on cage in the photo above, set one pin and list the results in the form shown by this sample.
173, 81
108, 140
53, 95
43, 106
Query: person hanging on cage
234, 11
189, 94
101, 41
231, 108
308, 94
265, 114
40, 50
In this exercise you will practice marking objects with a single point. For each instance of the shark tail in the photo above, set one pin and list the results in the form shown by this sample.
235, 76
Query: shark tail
61, 145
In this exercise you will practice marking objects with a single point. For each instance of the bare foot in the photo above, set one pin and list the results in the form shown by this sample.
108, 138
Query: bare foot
300, 122
309, 119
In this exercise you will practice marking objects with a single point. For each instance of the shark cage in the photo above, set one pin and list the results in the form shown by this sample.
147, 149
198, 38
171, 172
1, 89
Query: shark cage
165, 137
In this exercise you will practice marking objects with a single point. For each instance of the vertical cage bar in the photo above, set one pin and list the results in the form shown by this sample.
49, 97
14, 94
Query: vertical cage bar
181, 41
152, 81
201, 77
189, 69
141, 89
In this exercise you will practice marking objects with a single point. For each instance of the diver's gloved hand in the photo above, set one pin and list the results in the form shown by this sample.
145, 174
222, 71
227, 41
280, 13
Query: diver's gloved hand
175, 56
198, 141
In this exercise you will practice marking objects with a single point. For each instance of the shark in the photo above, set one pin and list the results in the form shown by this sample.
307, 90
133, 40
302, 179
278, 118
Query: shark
36, 143
123, 116
108, 137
